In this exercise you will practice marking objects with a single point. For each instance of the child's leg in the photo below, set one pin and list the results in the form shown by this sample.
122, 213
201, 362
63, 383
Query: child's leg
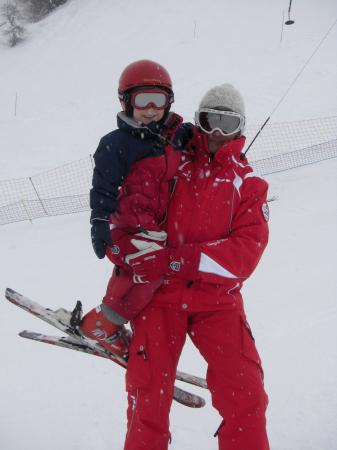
106, 325
126, 298
123, 301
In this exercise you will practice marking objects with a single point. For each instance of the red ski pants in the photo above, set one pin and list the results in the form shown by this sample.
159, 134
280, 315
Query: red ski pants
234, 376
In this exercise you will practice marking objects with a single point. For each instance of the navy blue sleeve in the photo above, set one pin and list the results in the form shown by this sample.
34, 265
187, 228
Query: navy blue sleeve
109, 172
117, 152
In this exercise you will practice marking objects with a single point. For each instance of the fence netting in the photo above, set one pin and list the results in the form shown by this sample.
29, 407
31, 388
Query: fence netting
65, 189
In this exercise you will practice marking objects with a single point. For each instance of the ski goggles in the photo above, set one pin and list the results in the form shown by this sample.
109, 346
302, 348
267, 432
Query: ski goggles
151, 98
225, 122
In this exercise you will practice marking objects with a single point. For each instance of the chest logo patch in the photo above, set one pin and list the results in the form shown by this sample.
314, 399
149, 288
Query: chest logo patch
175, 266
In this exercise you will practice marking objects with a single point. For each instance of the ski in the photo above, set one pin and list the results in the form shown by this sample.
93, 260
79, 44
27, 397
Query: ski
74, 344
61, 320
62, 341
191, 379
180, 395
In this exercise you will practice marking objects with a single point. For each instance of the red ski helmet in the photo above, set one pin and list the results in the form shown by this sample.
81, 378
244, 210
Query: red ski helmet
140, 74
144, 73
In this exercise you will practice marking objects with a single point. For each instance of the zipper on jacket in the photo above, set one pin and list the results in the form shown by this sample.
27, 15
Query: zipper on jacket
229, 229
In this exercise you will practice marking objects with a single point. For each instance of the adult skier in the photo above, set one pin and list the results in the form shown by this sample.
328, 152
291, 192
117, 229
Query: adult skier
216, 233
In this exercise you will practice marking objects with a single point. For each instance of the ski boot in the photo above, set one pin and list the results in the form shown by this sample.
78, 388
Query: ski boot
114, 338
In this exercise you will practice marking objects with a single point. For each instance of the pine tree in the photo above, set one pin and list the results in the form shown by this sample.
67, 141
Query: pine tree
13, 30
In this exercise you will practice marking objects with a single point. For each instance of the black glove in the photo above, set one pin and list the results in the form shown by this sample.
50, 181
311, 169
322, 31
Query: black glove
100, 237
183, 135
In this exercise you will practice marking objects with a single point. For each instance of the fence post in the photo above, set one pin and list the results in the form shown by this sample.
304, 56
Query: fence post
282, 27
25, 208
37, 194
15, 103
92, 161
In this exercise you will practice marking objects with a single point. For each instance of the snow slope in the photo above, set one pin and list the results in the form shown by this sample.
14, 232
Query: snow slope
65, 76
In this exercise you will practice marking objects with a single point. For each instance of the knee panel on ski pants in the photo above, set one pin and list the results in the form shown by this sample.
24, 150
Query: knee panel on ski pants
234, 376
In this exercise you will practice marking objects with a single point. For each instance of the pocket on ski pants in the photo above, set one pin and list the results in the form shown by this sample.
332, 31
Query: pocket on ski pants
138, 374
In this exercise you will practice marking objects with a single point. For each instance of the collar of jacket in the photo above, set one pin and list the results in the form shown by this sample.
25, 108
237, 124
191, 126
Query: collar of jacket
225, 152
151, 130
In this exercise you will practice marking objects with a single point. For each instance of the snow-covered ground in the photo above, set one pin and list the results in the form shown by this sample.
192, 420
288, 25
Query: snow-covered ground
66, 76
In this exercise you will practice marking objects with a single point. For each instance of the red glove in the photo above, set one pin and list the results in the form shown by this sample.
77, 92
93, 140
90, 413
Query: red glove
152, 262
121, 246
122, 243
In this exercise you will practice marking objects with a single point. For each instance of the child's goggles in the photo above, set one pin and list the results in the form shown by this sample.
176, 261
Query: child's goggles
225, 122
151, 98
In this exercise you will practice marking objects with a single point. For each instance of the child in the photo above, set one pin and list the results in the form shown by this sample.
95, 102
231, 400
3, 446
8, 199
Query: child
130, 193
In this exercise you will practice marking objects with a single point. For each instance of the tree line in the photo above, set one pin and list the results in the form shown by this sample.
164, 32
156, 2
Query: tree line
16, 13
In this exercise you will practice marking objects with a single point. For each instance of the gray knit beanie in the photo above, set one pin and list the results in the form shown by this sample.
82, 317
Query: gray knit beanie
224, 96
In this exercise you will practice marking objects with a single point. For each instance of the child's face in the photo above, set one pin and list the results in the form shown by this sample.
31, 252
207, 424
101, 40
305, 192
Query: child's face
148, 115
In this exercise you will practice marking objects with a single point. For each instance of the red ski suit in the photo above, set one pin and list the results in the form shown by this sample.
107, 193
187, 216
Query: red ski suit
219, 212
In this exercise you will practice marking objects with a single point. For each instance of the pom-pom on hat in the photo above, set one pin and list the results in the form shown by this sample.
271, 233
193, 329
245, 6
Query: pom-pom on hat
223, 97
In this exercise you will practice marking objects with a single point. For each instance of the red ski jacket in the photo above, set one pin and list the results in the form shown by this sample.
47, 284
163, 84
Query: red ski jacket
144, 194
219, 207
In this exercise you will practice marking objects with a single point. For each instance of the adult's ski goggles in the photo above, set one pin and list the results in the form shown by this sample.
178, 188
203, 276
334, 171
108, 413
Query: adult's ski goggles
225, 122
151, 98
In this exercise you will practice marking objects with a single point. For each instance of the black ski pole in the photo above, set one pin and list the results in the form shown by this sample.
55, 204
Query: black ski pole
243, 155
289, 21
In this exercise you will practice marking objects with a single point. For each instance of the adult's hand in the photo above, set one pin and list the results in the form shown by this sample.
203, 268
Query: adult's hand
151, 262
122, 243
183, 135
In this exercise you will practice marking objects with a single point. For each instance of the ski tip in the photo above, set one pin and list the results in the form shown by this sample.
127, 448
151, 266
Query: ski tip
12, 296
9, 293
27, 334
